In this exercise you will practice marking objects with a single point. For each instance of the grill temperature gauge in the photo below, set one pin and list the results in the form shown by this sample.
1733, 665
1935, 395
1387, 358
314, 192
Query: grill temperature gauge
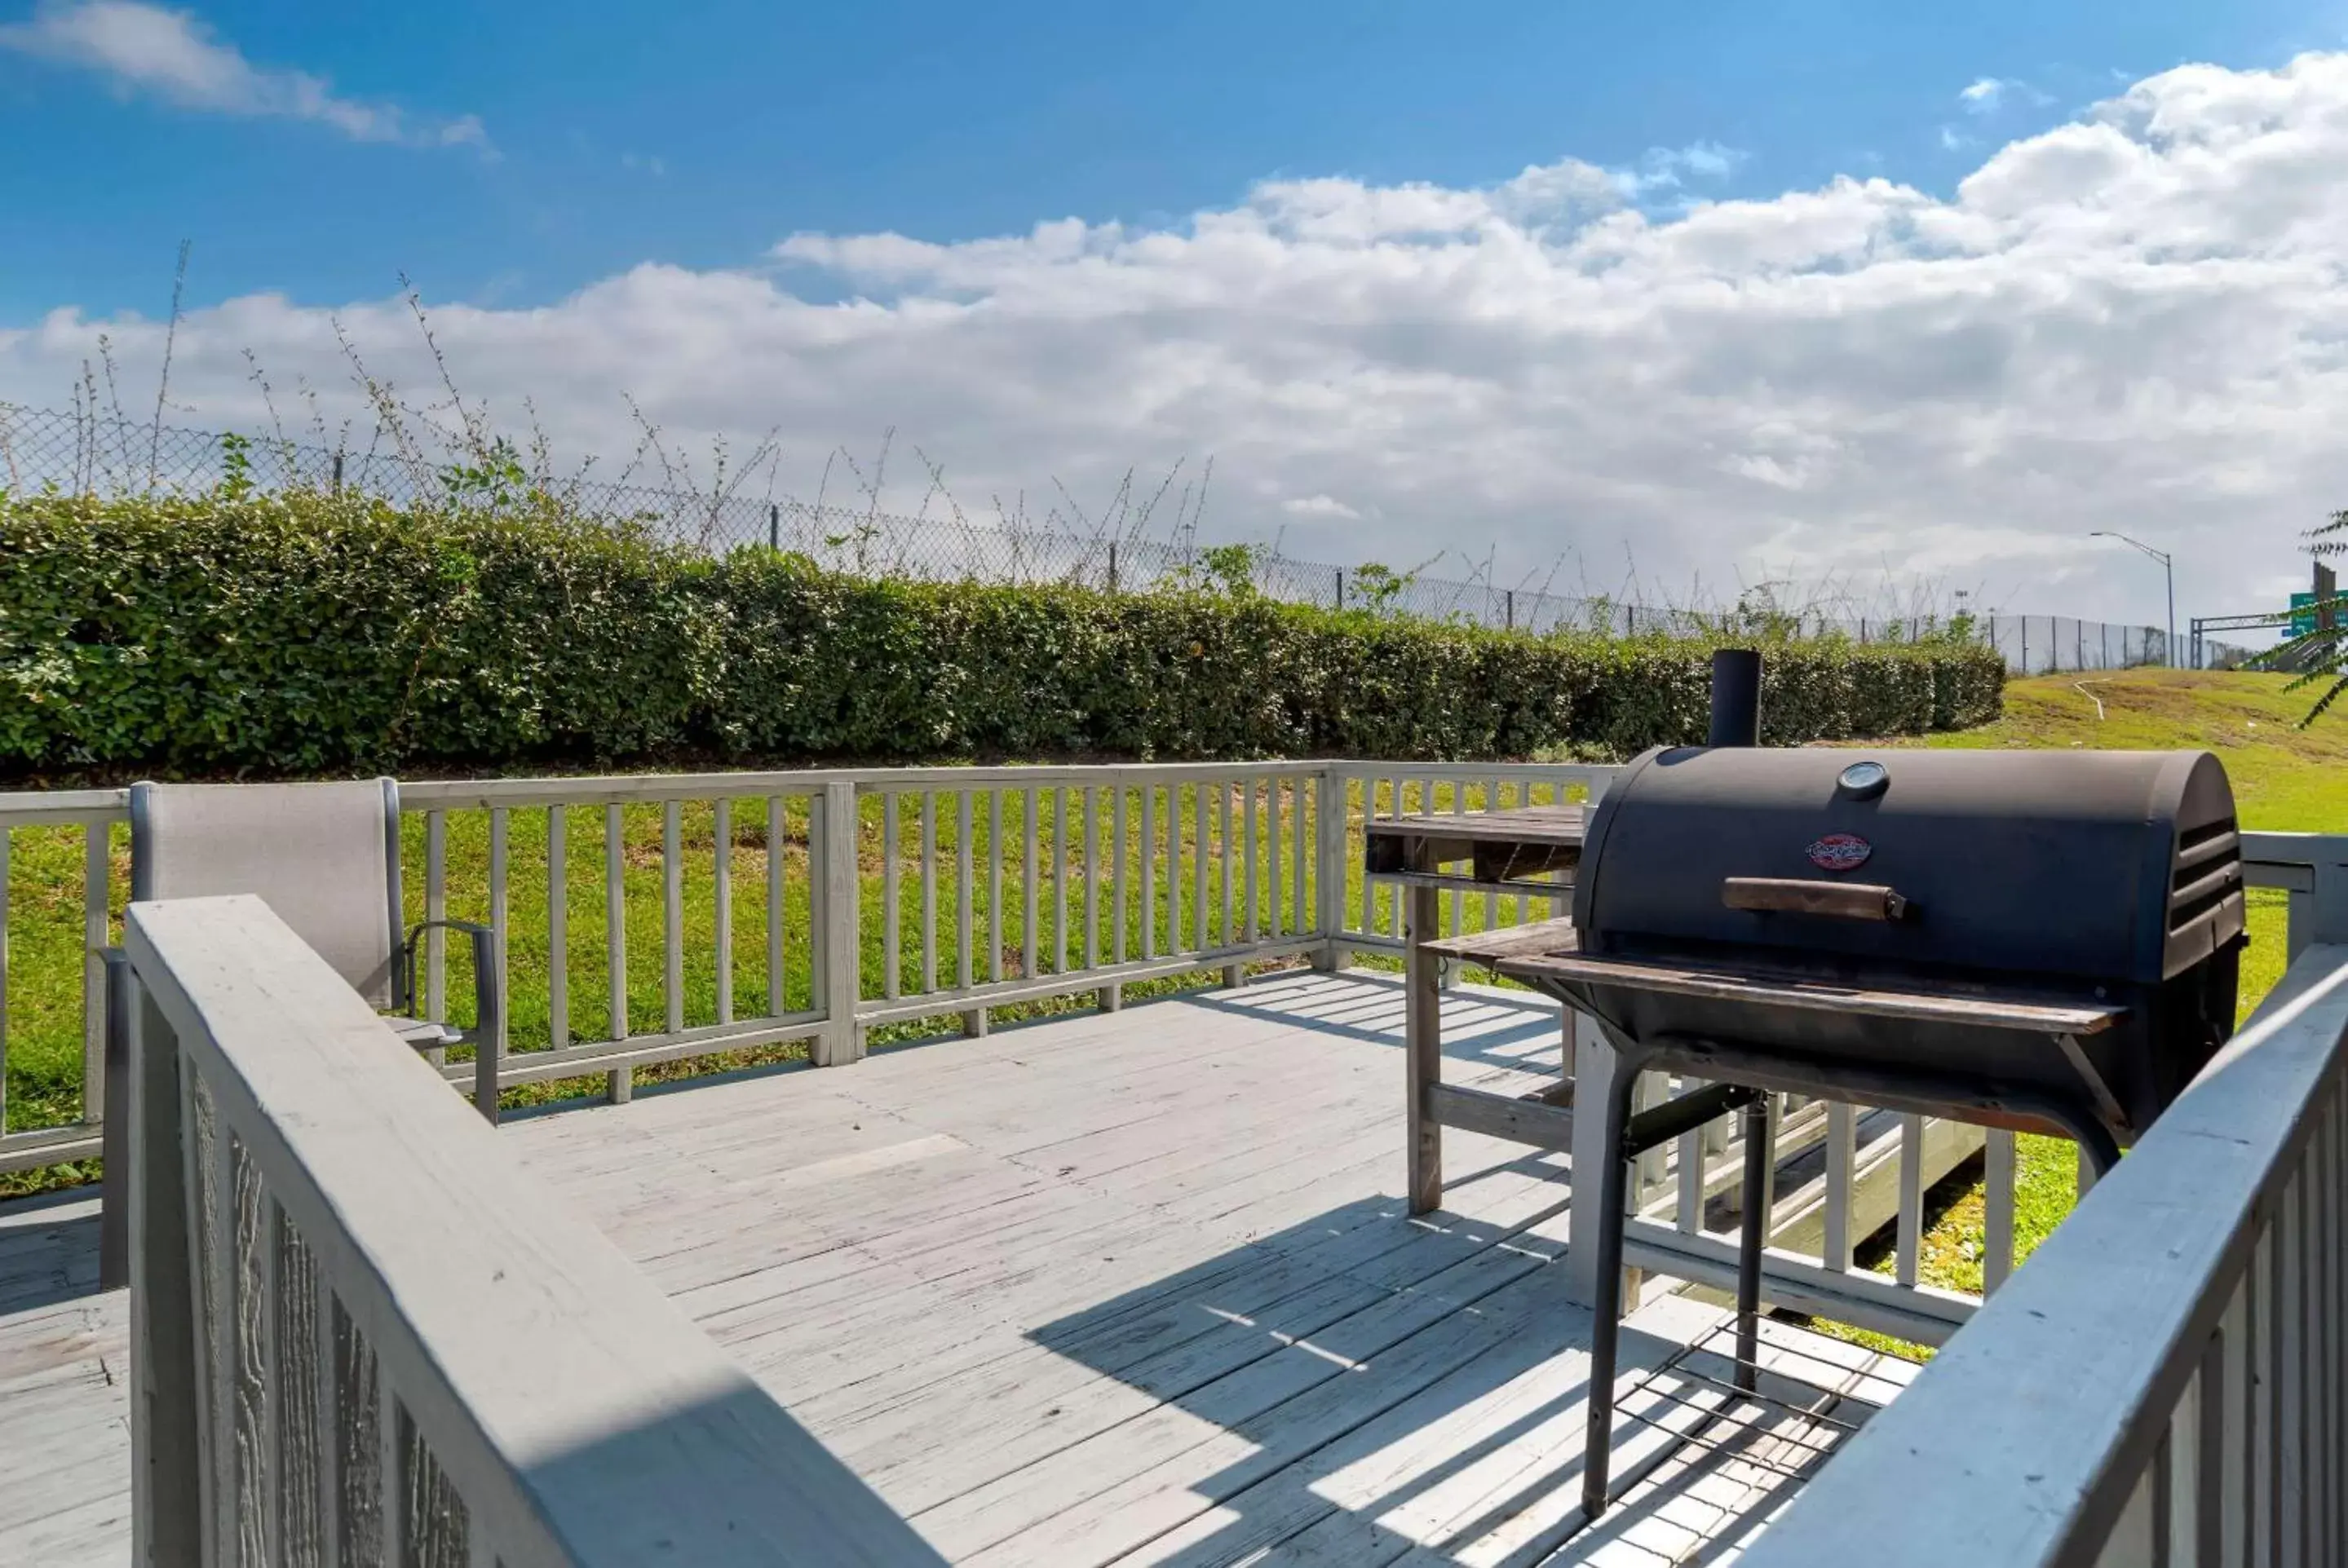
1864, 780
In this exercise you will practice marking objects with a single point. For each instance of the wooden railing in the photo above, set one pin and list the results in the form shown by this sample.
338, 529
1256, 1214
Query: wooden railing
2168, 1380
896, 895
330, 1371
821, 904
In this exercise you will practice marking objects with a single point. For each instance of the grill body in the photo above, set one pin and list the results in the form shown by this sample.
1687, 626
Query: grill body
2108, 878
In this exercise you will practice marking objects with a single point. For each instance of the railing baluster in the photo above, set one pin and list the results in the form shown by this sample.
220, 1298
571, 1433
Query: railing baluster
928, 891
778, 825
615, 918
1395, 900
98, 890
2290, 1252
1911, 1197
1061, 821
965, 900
2319, 1362
327, 1414
500, 909
1454, 897
721, 815
1343, 803
1300, 911
558, 926
1492, 900
1274, 887
1198, 939
891, 914
1689, 1215
1116, 874
1997, 1208
1223, 857
672, 912
436, 907
1841, 1155
1027, 935
1091, 843
1148, 872
1247, 859
994, 884
1525, 799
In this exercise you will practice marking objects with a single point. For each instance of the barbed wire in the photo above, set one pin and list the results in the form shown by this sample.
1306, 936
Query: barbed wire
82, 452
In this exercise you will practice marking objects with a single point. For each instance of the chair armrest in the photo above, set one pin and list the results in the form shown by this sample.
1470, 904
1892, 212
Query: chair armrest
488, 1004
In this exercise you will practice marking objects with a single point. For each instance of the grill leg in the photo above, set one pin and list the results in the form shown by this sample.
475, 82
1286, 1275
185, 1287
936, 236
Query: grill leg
1754, 1235
1606, 1329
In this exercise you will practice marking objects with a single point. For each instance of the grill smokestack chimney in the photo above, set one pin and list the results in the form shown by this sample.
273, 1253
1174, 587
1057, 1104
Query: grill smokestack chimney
1735, 697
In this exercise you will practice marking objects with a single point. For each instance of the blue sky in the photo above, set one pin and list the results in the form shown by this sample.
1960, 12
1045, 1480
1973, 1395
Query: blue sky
1664, 300
700, 134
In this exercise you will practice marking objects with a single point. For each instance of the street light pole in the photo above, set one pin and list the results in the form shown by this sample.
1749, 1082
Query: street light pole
2168, 571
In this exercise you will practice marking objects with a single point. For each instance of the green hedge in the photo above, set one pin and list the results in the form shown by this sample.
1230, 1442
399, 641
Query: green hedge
308, 634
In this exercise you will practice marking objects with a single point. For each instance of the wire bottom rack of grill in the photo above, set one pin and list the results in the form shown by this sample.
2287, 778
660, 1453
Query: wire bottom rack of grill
1801, 1408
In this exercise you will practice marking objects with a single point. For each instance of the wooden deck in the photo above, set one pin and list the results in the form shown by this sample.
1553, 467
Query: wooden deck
1136, 1287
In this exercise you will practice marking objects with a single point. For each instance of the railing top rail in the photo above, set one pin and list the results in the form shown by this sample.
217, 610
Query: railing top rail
2270, 848
581, 1415
32, 808
2023, 1440
42, 807
624, 788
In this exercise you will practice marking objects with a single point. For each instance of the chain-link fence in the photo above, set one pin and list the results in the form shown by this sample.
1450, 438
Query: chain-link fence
81, 453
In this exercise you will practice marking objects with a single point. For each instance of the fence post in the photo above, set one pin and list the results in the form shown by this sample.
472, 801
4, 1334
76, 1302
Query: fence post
338, 474
1340, 588
1330, 869
1512, 609
2025, 645
773, 526
836, 928
166, 1465
1112, 565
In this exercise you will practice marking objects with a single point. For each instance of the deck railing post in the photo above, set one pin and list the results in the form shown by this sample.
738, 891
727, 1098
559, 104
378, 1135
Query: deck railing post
1329, 870
114, 1217
166, 1484
837, 925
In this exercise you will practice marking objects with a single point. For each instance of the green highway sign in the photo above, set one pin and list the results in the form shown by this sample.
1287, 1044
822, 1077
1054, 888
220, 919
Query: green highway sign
2303, 614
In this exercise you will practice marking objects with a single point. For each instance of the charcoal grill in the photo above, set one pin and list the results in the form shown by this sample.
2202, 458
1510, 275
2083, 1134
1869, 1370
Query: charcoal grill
2044, 941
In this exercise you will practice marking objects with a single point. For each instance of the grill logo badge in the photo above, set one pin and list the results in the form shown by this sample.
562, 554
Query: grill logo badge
1840, 852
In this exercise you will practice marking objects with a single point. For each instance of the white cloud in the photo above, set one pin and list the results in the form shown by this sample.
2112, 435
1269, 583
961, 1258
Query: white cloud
174, 57
1984, 95
1954, 140
1318, 506
1671, 167
2136, 320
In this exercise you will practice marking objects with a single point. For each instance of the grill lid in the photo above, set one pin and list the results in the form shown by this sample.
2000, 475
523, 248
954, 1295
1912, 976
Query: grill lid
2090, 865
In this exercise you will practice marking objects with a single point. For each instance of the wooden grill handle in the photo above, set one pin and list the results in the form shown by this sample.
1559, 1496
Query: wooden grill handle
1807, 895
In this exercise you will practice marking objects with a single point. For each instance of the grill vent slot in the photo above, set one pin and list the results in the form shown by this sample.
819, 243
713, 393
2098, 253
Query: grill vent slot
2208, 871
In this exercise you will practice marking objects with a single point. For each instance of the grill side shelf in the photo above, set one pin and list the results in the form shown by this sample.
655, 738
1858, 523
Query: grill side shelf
1985, 1013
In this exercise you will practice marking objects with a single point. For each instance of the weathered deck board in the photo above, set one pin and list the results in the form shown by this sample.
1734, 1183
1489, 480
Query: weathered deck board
64, 1406
1137, 1287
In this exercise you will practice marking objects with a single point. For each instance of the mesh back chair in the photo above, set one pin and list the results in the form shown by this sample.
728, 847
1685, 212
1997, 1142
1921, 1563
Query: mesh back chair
326, 857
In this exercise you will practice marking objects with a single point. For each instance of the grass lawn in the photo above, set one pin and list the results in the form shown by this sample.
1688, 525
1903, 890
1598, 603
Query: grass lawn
2285, 779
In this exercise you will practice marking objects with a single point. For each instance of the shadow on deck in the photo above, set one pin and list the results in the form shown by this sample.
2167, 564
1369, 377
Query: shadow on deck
1126, 1289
